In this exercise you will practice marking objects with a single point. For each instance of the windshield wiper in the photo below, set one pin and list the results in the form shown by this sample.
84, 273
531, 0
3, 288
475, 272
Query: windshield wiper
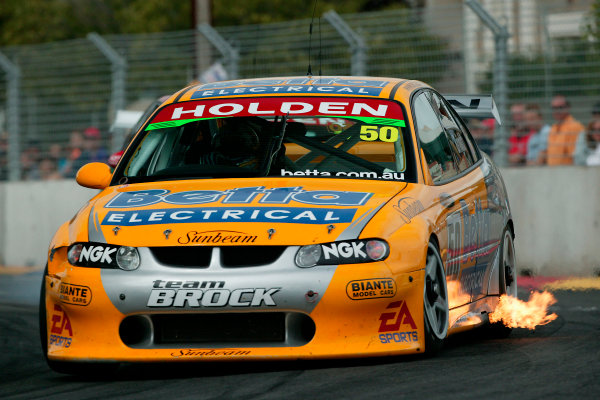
276, 145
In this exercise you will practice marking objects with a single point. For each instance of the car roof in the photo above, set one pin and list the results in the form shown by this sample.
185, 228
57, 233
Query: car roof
328, 86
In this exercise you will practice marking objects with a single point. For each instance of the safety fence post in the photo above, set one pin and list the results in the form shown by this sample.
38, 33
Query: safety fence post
118, 81
13, 75
358, 47
231, 55
500, 85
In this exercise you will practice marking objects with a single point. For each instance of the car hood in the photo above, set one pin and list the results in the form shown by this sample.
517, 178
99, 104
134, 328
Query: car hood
294, 211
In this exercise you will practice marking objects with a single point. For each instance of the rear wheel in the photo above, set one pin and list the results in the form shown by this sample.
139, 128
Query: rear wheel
65, 367
507, 279
435, 300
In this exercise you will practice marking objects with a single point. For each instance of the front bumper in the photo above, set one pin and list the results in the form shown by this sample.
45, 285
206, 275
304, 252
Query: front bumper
275, 311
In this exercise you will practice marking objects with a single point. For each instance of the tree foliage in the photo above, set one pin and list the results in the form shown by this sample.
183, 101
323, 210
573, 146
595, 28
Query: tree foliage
38, 21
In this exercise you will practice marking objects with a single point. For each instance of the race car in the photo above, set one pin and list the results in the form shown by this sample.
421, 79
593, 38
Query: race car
283, 218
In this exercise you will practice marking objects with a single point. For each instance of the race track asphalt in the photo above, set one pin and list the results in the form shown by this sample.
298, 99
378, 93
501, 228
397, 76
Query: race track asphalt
560, 360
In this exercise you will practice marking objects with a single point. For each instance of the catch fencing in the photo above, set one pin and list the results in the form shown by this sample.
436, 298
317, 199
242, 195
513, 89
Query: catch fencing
51, 94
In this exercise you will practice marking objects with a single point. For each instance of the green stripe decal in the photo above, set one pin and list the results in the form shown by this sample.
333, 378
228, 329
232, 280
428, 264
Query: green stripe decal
172, 124
379, 121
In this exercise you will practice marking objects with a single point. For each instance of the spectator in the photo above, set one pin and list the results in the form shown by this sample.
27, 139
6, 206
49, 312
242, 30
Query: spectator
29, 163
538, 142
563, 134
92, 147
588, 146
596, 112
3, 156
48, 170
74, 154
483, 133
519, 135
55, 152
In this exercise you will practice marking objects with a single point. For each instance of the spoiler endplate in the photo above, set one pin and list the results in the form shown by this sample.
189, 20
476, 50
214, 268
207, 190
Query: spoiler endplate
478, 106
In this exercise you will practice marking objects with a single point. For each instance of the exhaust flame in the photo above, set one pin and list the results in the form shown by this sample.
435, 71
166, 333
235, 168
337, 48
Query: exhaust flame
515, 313
456, 294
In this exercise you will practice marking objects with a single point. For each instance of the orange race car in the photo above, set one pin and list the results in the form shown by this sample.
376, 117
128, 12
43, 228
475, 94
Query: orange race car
283, 218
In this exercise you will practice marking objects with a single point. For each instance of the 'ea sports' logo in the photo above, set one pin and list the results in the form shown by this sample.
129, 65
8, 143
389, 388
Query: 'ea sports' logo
398, 316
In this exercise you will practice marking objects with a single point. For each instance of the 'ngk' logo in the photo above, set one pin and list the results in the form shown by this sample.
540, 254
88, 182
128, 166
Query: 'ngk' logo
397, 316
60, 322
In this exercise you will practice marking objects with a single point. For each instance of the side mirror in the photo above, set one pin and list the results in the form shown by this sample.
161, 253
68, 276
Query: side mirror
94, 175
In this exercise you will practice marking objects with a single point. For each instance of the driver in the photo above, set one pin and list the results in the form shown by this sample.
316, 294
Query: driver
237, 144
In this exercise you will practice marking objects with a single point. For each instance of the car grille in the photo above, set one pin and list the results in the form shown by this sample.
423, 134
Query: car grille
197, 256
221, 329
231, 256
250, 256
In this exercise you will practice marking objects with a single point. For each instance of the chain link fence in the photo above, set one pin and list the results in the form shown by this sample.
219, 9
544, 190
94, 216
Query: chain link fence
58, 101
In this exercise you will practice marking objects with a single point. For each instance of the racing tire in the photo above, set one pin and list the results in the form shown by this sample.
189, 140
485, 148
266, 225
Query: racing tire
435, 301
64, 367
507, 280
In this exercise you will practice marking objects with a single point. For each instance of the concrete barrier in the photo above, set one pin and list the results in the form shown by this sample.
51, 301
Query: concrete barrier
556, 213
31, 213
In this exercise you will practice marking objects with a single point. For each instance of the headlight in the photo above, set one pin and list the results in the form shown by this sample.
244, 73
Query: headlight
308, 256
376, 249
74, 253
128, 258
343, 252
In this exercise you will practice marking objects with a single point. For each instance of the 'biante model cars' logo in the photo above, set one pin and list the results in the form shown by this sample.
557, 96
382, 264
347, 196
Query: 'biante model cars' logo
371, 289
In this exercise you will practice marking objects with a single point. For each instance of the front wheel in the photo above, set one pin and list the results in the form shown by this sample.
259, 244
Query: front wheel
435, 301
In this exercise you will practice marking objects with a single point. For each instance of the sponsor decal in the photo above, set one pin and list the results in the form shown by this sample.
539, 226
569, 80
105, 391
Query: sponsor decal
352, 251
210, 352
397, 324
101, 254
218, 237
408, 208
371, 289
289, 215
74, 294
61, 332
398, 176
93, 254
196, 294
180, 113
296, 85
471, 279
329, 89
467, 234
245, 195
342, 81
347, 252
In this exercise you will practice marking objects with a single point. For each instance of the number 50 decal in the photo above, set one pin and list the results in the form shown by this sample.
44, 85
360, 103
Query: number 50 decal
383, 133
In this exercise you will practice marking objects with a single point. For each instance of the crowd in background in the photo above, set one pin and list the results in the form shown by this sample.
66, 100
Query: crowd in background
57, 161
532, 141
565, 141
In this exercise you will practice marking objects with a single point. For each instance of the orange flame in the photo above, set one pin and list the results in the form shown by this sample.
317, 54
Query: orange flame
456, 294
515, 313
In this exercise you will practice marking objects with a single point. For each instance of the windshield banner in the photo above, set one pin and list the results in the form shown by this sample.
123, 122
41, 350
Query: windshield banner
273, 106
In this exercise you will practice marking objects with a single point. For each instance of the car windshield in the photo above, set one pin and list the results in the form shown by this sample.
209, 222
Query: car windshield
356, 138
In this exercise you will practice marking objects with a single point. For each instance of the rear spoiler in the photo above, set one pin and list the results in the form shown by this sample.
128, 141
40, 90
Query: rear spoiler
474, 106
